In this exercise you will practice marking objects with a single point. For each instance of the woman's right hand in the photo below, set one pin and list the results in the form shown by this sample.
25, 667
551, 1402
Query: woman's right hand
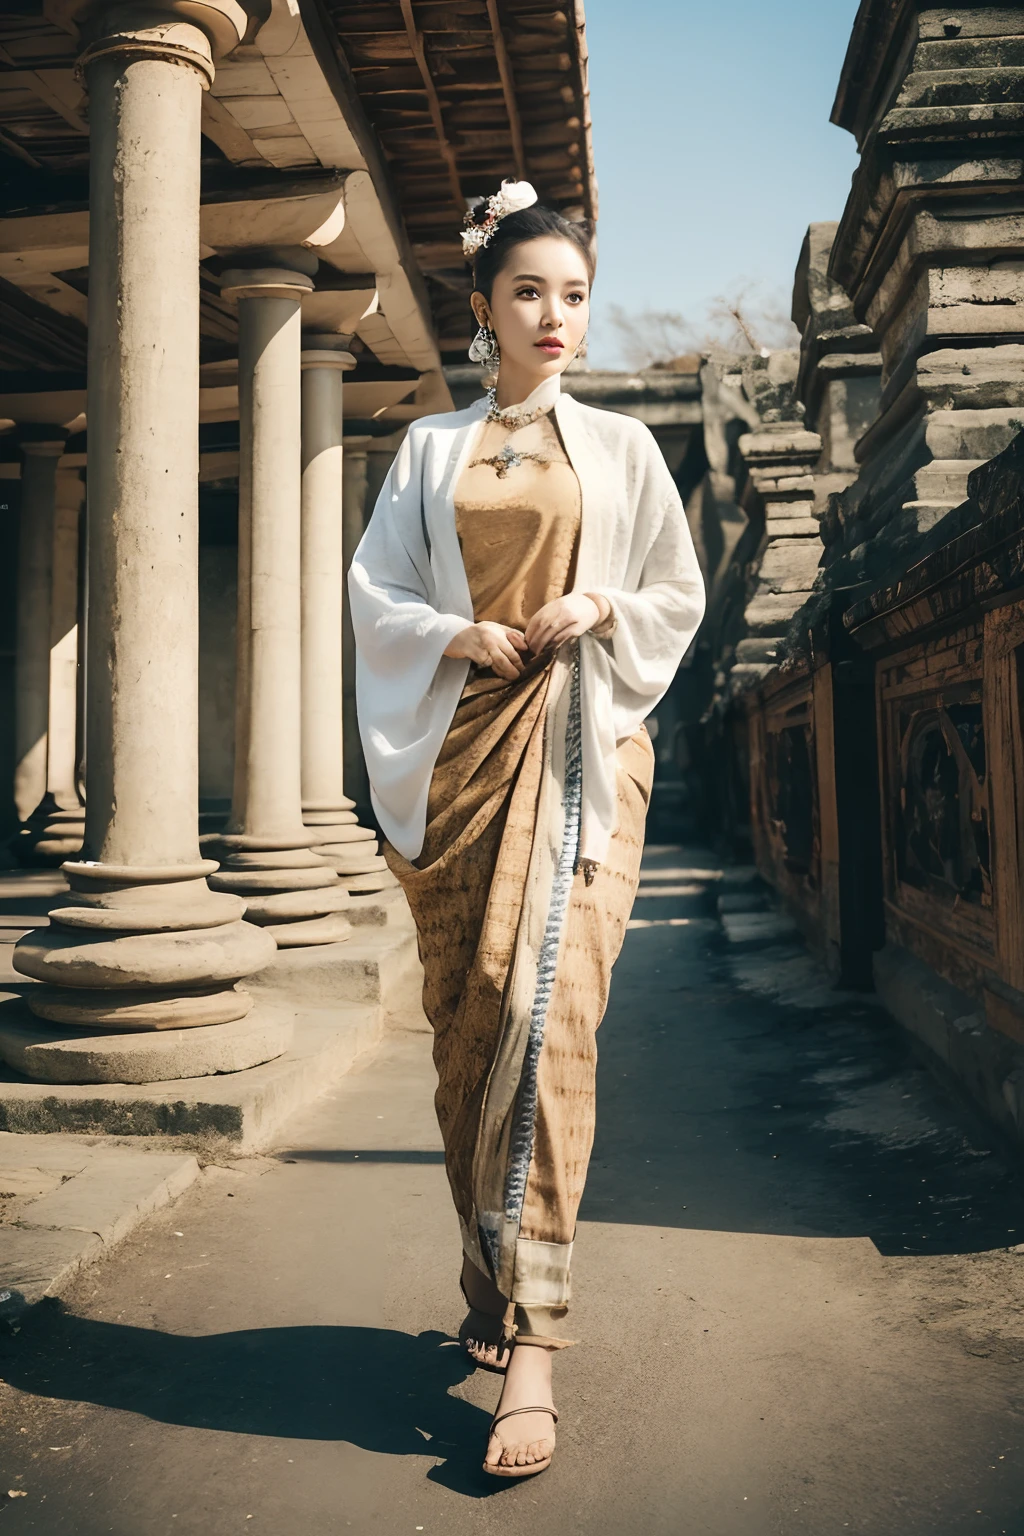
490, 645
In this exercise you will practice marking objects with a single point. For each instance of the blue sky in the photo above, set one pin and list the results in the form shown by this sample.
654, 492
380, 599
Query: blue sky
713, 148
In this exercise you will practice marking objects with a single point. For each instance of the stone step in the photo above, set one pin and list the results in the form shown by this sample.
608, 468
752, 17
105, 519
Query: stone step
68, 1202
378, 964
379, 909
752, 930
59, 1054
235, 1111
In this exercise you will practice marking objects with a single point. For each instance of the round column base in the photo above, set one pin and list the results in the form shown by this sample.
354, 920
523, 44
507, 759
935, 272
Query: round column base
354, 859
378, 880
130, 1011
293, 903
297, 906
187, 962
142, 948
50, 836
55, 1056
343, 832
321, 930
328, 826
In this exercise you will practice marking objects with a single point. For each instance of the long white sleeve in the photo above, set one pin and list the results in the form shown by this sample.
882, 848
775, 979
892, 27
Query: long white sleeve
402, 674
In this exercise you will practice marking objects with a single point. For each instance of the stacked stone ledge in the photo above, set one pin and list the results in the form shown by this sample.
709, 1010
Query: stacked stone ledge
776, 492
779, 459
929, 251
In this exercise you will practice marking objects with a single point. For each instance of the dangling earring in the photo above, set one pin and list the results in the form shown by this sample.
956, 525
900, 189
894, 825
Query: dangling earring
581, 350
484, 347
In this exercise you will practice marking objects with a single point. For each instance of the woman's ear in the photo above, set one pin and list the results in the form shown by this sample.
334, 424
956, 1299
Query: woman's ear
479, 307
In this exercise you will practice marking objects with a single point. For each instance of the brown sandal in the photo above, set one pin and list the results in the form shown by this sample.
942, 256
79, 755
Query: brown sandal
495, 1468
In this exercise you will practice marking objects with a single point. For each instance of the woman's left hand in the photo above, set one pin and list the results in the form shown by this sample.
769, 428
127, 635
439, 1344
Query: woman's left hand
565, 619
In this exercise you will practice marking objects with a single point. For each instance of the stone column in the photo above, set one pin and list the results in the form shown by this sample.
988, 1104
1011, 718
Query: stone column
56, 827
295, 895
327, 811
353, 522
40, 451
46, 677
141, 942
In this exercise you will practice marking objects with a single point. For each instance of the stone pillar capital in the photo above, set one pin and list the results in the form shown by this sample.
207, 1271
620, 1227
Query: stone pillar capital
264, 283
39, 441
319, 352
191, 32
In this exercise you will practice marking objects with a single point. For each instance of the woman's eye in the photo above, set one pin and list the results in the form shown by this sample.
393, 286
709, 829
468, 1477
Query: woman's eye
574, 298
527, 293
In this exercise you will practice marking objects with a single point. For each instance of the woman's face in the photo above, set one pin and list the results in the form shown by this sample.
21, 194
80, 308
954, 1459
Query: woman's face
540, 306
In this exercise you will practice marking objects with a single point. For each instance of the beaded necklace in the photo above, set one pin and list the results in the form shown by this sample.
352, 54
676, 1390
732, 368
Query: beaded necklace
513, 421
508, 416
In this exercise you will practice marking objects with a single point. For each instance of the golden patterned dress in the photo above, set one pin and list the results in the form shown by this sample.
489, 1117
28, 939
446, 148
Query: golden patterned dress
517, 947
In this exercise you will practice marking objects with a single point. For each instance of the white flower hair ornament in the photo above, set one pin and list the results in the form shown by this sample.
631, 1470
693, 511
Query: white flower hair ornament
511, 197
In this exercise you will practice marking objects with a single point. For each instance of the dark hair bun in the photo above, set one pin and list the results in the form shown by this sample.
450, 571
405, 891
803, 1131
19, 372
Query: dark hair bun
516, 229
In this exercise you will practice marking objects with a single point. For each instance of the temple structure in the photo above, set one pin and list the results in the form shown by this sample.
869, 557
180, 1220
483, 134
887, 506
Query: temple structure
230, 275
870, 695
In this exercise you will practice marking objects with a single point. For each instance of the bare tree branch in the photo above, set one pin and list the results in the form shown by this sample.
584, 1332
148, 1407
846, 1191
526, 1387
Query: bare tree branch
745, 321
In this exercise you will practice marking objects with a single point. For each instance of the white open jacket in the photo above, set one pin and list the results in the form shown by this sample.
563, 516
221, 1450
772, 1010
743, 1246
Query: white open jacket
410, 597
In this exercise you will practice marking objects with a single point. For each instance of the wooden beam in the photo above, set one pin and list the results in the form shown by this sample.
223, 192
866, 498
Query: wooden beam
508, 87
59, 90
230, 137
14, 148
581, 59
433, 102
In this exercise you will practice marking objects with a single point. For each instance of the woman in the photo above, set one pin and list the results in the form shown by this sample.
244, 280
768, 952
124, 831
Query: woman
521, 599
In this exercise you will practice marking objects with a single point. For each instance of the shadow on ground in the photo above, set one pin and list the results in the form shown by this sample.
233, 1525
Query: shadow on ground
375, 1388
740, 1093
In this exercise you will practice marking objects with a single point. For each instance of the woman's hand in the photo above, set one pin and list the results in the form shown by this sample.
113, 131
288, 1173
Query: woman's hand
490, 645
565, 619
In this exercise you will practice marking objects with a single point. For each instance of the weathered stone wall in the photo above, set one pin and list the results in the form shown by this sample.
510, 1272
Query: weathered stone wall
883, 723
946, 641
930, 251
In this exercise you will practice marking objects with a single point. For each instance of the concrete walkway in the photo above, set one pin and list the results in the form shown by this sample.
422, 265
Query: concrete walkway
797, 1292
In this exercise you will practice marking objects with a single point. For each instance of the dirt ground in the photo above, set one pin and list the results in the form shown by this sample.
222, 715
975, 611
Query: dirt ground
798, 1279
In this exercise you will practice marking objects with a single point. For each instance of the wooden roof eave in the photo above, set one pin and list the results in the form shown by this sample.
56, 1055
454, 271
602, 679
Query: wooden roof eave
508, 89
582, 61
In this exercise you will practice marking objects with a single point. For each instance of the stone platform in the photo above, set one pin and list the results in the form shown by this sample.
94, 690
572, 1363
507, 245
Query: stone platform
341, 997
56, 1054
64, 1202
235, 1111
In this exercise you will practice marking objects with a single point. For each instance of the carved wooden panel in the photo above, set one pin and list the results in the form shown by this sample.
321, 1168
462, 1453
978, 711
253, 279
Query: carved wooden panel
937, 799
787, 790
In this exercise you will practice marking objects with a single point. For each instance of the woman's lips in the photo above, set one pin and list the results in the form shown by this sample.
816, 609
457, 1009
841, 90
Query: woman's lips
549, 344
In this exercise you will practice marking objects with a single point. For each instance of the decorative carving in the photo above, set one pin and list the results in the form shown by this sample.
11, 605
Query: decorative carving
788, 788
792, 790
943, 826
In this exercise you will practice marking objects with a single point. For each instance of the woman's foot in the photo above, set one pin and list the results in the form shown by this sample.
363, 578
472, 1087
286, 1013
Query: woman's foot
492, 1354
525, 1442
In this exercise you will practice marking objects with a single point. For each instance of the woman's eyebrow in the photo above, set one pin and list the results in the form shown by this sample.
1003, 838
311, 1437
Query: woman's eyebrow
531, 277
